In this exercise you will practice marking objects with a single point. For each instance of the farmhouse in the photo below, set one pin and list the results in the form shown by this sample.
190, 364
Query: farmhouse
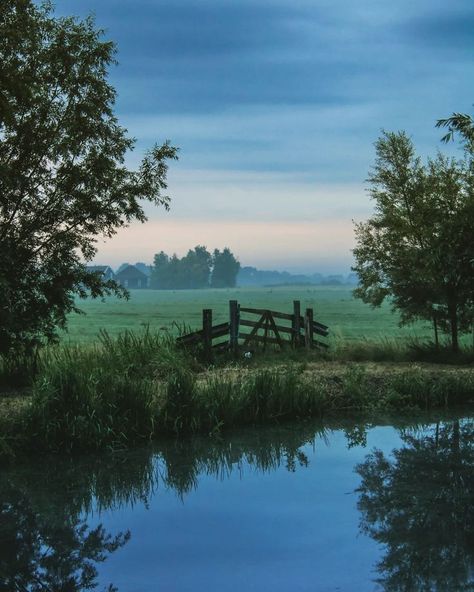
133, 278
106, 271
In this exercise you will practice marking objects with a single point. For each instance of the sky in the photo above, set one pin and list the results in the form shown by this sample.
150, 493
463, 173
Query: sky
275, 106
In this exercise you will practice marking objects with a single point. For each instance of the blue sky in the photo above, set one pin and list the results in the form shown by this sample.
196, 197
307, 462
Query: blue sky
275, 105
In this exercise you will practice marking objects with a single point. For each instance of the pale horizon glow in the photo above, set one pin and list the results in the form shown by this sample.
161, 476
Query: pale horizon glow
306, 229
316, 246
275, 106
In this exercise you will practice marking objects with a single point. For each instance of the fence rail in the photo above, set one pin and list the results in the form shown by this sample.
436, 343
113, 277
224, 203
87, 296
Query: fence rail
300, 332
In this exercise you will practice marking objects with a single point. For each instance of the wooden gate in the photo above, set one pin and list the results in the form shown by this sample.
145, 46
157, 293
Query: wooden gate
265, 330
271, 328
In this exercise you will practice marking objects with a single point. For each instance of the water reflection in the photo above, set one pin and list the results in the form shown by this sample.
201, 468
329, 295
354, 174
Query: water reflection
45, 541
419, 504
182, 462
48, 552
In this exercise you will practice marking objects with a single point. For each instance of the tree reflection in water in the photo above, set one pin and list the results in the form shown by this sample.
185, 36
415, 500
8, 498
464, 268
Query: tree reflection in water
41, 553
45, 542
419, 504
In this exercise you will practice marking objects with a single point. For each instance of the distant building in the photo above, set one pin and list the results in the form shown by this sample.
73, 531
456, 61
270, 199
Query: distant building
143, 267
106, 271
132, 278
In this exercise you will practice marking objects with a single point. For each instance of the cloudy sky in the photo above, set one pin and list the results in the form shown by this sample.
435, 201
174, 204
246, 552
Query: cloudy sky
275, 105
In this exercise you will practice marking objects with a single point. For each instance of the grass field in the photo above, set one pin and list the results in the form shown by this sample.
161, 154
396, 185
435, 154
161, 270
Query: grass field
348, 319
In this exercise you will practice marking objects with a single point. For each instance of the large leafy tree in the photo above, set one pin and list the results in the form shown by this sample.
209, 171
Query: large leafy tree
225, 269
417, 248
63, 178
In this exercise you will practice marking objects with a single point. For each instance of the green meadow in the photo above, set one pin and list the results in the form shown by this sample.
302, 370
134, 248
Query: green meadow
348, 319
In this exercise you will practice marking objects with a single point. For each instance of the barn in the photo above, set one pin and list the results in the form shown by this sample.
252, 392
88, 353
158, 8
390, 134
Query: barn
132, 278
106, 272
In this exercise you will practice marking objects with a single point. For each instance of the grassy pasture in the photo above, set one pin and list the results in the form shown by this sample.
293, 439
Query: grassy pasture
348, 319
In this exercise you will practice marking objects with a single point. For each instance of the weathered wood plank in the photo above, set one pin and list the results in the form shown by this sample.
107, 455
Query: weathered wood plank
320, 344
308, 328
273, 328
234, 317
296, 323
258, 326
220, 330
265, 335
317, 329
263, 311
189, 338
207, 332
247, 323
216, 331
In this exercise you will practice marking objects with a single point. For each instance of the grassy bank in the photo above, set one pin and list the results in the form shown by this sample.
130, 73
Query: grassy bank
123, 390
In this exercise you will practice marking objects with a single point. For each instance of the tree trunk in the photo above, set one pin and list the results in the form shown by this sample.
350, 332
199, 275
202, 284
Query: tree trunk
453, 319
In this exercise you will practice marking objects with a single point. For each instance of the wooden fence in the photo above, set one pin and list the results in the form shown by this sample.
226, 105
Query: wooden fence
264, 327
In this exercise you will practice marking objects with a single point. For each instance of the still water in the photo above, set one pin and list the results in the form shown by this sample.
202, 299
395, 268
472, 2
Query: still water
301, 507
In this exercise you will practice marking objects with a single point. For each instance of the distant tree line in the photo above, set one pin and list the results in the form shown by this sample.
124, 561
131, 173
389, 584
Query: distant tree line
197, 269
251, 276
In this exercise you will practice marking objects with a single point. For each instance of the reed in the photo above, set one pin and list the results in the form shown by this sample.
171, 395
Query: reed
135, 387
101, 395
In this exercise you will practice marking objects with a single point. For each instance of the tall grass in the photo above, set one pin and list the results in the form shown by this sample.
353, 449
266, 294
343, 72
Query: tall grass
101, 395
139, 386
393, 350
229, 399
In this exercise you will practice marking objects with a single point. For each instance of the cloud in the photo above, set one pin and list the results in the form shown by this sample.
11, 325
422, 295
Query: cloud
320, 144
275, 104
246, 197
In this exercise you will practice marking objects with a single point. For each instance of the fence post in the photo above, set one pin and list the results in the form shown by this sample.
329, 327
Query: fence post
308, 328
234, 327
296, 323
435, 325
207, 333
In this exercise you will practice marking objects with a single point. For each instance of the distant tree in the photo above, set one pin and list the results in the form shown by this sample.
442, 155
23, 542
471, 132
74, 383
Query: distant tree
159, 271
175, 277
196, 267
63, 181
225, 268
417, 248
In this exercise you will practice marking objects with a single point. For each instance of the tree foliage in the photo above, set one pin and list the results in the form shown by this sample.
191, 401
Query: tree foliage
417, 248
197, 269
225, 269
52, 553
460, 124
63, 178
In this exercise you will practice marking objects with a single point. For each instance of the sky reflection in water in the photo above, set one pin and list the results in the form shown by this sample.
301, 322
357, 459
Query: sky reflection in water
266, 509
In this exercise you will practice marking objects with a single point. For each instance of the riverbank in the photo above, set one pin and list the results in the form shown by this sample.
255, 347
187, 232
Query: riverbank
134, 388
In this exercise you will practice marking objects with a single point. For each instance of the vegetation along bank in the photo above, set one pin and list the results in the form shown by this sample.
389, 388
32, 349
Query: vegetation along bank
135, 387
